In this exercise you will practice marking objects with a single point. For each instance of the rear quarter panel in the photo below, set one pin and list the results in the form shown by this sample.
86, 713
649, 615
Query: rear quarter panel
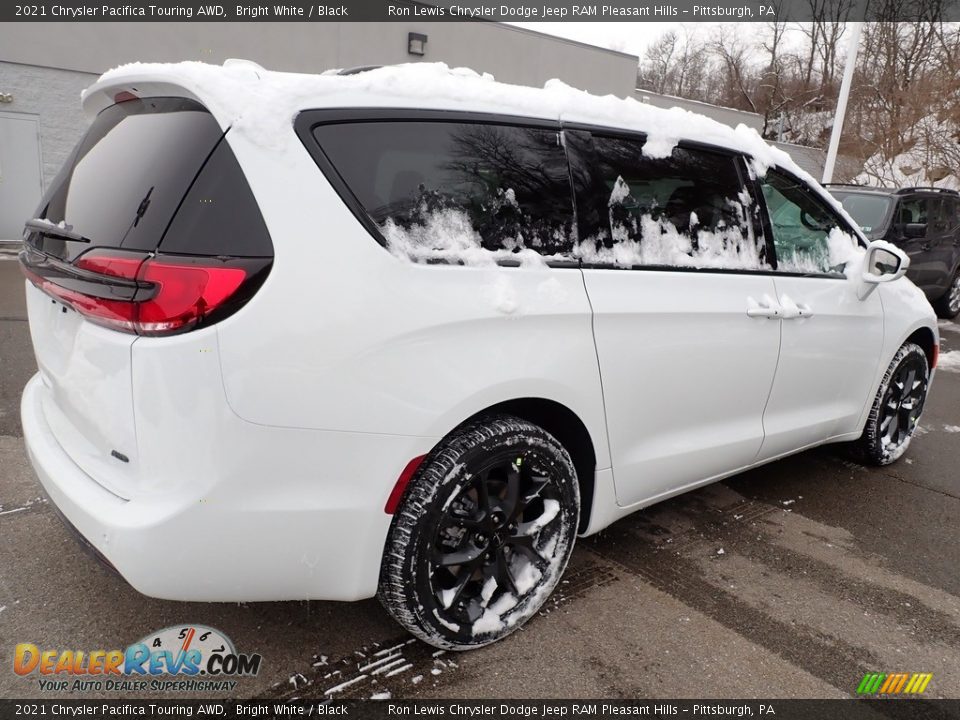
344, 336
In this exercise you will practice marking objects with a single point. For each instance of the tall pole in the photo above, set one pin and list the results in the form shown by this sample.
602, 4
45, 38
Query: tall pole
848, 67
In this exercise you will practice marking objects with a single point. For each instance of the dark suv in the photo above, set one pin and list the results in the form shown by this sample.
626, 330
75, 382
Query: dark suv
925, 223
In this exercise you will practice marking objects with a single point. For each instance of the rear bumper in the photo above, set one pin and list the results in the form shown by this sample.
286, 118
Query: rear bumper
249, 538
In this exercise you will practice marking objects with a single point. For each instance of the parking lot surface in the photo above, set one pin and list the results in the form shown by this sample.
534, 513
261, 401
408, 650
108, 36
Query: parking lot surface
792, 580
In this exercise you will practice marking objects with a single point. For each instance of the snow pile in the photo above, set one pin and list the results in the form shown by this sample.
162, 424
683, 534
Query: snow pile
949, 361
262, 104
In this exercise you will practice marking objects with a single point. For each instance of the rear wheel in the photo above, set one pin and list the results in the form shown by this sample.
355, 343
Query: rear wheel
896, 408
482, 535
948, 306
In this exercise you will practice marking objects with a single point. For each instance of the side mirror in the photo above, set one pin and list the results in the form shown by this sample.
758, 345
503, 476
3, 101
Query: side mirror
883, 263
915, 230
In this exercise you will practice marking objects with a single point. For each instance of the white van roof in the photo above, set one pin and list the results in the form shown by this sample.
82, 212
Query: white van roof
261, 104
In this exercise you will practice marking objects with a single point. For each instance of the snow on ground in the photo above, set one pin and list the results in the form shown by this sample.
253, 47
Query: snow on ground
949, 361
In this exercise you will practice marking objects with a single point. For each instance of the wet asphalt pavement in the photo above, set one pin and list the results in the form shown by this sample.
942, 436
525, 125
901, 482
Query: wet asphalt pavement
792, 580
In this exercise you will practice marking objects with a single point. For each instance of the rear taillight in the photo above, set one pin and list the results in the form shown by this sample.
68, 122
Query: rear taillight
151, 295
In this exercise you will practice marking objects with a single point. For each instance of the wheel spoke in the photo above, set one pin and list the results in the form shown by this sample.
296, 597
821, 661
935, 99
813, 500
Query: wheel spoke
483, 493
504, 578
448, 598
508, 506
525, 544
465, 556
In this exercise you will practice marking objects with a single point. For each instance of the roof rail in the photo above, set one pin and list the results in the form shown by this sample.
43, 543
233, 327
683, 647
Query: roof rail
927, 188
358, 69
858, 185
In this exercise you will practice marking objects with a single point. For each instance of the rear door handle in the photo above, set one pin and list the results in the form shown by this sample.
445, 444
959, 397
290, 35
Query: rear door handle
766, 308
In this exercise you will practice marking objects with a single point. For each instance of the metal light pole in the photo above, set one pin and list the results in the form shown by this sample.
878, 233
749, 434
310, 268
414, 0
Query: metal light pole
848, 67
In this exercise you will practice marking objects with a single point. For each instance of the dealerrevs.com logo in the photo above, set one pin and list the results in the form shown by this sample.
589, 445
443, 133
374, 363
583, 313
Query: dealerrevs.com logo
181, 658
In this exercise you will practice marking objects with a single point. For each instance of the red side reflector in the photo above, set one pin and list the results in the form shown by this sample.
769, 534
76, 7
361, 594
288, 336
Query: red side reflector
124, 96
393, 502
936, 357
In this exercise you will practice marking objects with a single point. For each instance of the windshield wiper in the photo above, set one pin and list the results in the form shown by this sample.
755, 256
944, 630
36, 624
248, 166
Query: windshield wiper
45, 227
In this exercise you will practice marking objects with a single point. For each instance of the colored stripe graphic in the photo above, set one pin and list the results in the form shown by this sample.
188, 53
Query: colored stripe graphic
894, 683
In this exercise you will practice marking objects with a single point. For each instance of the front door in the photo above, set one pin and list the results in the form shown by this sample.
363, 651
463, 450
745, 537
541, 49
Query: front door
830, 339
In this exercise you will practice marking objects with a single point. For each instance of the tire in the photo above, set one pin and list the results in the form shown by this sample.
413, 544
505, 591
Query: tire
458, 507
948, 306
896, 408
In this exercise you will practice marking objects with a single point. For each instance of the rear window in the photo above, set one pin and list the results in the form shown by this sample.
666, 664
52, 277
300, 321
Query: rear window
439, 191
124, 181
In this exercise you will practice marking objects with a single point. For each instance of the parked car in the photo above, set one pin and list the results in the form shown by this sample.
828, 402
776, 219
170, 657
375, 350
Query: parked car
408, 332
925, 223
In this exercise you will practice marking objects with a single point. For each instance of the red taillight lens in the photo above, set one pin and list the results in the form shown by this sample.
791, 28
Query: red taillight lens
185, 294
165, 295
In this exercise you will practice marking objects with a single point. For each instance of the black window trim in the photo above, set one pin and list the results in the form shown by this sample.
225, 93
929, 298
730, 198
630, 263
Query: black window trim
768, 228
308, 120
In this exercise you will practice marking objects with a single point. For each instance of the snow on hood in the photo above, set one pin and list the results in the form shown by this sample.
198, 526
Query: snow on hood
261, 104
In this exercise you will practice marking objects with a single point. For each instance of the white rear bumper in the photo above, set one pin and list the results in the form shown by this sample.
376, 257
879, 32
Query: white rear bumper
259, 537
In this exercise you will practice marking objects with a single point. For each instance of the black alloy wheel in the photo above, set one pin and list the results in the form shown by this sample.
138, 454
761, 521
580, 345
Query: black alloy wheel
482, 535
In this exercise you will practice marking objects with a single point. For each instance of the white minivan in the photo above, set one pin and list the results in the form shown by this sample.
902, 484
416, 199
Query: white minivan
408, 332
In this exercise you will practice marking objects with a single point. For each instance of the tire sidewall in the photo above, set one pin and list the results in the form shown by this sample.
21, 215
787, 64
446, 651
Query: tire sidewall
441, 478
872, 441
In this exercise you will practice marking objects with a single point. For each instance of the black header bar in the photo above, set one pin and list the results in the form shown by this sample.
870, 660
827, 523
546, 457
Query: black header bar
490, 10
893, 709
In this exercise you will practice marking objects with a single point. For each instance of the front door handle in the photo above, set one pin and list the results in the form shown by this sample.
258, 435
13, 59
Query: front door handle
766, 308
793, 310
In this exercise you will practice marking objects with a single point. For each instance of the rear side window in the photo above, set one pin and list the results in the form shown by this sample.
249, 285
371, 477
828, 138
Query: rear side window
127, 176
441, 191
219, 215
690, 209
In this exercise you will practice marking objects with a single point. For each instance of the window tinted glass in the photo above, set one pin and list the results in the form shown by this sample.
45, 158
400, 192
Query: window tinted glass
951, 213
440, 190
219, 215
128, 174
914, 209
807, 235
870, 210
686, 210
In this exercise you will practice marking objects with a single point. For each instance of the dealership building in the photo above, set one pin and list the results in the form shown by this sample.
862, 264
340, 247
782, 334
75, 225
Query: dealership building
43, 68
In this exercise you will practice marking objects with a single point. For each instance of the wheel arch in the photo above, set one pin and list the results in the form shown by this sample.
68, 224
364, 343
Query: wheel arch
924, 337
567, 427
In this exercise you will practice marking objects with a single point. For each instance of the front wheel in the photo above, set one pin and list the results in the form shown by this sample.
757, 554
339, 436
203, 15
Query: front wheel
896, 408
482, 535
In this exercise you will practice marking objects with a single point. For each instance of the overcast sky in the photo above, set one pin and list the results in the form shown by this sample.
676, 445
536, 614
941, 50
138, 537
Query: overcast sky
630, 37
634, 37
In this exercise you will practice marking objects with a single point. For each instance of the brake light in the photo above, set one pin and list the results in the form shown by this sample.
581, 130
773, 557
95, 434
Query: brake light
164, 295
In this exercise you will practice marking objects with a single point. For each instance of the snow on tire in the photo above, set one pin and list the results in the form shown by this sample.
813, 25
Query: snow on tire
896, 408
482, 535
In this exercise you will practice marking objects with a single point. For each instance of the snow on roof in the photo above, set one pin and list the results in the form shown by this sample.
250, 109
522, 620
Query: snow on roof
261, 104
255, 99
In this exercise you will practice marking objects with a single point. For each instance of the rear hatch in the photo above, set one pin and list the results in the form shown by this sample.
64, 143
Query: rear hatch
136, 236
